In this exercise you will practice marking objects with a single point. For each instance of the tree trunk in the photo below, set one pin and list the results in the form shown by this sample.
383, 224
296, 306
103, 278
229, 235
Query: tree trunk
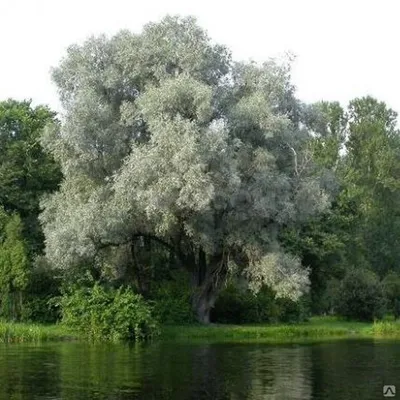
202, 270
134, 273
206, 279
203, 303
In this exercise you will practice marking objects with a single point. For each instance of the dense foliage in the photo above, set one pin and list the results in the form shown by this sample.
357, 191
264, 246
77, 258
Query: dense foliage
360, 296
238, 305
14, 266
391, 290
166, 140
107, 314
172, 301
26, 170
202, 184
26, 173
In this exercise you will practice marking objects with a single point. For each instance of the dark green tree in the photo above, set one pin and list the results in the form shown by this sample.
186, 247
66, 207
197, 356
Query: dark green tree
372, 183
26, 171
14, 266
362, 228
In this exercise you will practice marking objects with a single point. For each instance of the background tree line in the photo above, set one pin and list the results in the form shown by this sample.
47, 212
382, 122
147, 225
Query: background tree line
203, 185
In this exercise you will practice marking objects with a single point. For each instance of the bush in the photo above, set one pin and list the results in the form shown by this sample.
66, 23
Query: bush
237, 306
108, 314
172, 301
232, 307
391, 290
294, 311
360, 296
40, 309
43, 286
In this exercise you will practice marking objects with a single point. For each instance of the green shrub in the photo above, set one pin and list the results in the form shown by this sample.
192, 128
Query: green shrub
234, 306
238, 306
172, 301
43, 286
108, 314
262, 307
40, 309
360, 296
391, 290
294, 311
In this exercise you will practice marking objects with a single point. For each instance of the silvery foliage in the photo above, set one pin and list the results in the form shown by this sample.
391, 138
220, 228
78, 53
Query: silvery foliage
281, 271
164, 135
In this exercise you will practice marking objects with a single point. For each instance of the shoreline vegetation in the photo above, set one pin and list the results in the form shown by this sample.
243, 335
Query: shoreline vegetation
17, 332
316, 329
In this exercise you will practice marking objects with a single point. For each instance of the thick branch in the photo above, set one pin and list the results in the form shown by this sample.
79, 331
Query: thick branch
103, 245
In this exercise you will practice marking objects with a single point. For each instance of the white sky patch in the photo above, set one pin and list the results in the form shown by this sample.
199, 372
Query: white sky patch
344, 48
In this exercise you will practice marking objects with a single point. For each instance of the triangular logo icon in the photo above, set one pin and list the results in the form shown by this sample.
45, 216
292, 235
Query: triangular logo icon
389, 391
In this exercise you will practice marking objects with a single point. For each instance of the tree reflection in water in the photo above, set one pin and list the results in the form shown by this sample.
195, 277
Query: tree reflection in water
339, 370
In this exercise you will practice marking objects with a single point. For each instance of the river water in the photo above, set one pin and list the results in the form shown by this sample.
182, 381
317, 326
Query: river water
338, 370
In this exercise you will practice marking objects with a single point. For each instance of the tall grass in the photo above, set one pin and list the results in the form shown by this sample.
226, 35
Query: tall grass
386, 329
21, 333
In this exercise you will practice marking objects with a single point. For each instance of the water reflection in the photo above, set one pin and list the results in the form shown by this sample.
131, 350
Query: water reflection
341, 370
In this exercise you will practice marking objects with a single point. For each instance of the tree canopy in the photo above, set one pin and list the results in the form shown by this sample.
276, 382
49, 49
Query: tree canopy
166, 139
26, 171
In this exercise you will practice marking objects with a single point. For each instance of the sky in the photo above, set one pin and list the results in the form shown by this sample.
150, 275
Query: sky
344, 48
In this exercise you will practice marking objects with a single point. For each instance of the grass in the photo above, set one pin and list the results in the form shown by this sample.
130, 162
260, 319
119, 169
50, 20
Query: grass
386, 329
11, 332
318, 328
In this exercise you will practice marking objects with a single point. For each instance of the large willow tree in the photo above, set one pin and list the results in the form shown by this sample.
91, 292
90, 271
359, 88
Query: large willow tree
166, 139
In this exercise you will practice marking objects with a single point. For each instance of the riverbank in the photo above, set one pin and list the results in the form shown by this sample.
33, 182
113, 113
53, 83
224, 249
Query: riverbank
318, 328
